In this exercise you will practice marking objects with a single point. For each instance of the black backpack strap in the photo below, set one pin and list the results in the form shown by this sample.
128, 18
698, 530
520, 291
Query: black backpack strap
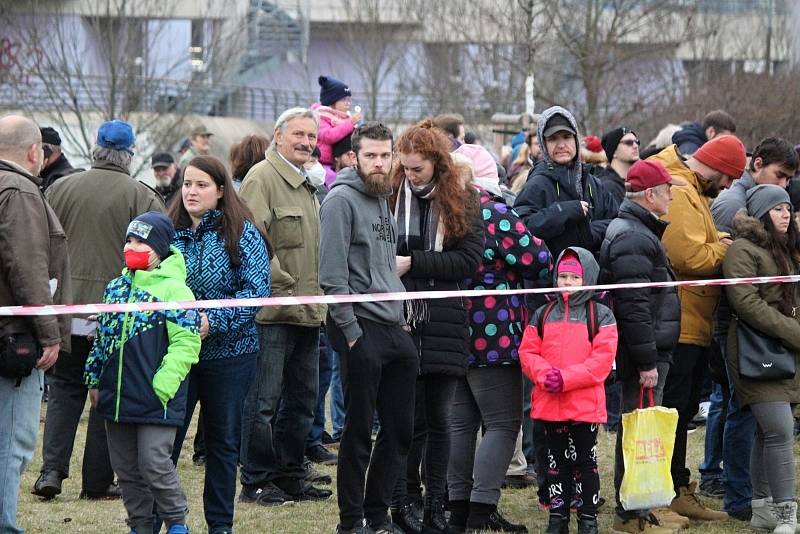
591, 319
543, 317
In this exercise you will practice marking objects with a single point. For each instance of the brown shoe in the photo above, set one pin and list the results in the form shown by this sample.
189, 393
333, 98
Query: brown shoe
667, 516
638, 525
689, 505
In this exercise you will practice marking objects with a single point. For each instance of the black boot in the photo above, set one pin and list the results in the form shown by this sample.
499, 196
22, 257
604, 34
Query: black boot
487, 517
406, 519
433, 519
459, 511
557, 525
587, 525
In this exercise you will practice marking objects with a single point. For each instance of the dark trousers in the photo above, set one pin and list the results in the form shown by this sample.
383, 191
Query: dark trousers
199, 444
487, 397
572, 467
288, 375
378, 373
433, 408
325, 372
682, 392
220, 385
65, 405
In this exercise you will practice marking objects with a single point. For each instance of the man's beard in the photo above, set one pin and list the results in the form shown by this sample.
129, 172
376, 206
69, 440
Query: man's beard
710, 188
379, 185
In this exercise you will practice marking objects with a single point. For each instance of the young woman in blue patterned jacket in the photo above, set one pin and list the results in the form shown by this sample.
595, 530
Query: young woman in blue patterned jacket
226, 257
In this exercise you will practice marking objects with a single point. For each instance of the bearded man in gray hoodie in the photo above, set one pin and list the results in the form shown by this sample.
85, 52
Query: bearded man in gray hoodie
378, 358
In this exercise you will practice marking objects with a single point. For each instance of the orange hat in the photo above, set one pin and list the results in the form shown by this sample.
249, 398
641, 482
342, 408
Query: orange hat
724, 154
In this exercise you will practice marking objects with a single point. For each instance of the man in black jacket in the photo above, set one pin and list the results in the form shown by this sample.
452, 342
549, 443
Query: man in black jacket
648, 319
562, 202
55, 164
621, 146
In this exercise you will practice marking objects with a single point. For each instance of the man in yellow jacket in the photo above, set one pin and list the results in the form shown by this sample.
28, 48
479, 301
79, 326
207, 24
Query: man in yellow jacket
696, 250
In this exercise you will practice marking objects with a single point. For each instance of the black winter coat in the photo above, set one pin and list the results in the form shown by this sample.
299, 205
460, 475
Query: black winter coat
613, 182
648, 319
550, 206
60, 168
442, 336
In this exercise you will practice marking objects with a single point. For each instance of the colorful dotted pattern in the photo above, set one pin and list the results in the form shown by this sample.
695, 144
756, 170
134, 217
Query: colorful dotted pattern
510, 256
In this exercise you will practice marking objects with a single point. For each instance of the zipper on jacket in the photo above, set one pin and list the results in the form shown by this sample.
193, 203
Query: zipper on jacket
121, 350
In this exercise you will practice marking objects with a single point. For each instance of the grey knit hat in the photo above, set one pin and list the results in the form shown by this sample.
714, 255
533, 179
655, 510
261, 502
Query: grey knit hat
762, 198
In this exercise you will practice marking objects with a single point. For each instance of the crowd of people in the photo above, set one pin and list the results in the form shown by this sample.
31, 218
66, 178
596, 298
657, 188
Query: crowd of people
436, 404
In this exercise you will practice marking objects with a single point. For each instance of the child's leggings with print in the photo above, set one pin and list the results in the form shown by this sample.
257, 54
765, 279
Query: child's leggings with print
572, 459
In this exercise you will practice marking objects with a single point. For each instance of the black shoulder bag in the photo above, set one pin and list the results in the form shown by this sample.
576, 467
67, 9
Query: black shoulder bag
762, 357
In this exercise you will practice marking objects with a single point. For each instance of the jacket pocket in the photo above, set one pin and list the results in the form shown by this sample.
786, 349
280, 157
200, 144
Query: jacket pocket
286, 230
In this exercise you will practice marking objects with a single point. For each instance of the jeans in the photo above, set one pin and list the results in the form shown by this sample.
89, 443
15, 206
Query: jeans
631, 389
379, 372
220, 385
682, 392
613, 405
19, 420
711, 467
737, 442
325, 357
488, 396
337, 397
288, 372
65, 405
433, 407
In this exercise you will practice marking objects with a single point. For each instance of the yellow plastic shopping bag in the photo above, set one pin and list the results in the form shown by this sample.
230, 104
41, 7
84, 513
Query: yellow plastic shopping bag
648, 437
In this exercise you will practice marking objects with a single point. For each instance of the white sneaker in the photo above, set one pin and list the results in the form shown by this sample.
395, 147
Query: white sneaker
702, 413
764, 515
786, 514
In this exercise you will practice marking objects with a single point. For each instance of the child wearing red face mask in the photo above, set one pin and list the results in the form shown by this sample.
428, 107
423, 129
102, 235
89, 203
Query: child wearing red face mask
136, 370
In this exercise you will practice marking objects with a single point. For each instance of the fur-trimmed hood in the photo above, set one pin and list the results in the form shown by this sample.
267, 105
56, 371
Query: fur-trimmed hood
750, 228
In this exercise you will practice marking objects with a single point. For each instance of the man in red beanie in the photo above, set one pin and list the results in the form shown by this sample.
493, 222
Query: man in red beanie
696, 250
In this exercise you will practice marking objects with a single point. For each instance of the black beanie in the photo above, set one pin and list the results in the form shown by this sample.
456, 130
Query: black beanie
611, 141
155, 229
50, 136
332, 90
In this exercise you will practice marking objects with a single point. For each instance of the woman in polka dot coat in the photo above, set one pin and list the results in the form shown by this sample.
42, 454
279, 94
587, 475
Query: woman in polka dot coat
490, 395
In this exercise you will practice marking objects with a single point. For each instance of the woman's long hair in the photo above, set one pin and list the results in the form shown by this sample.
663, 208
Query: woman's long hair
246, 153
234, 211
785, 250
455, 201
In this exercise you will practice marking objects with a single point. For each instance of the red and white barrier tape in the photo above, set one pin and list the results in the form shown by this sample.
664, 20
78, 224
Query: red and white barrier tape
371, 297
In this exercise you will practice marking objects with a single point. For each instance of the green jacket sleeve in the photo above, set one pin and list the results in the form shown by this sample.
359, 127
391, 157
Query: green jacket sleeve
183, 330
749, 305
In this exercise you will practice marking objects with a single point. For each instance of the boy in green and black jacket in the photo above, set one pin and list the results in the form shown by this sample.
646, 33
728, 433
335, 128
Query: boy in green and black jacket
136, 370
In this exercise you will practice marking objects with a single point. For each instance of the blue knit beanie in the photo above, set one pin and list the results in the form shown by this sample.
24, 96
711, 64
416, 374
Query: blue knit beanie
155, 229
332, 90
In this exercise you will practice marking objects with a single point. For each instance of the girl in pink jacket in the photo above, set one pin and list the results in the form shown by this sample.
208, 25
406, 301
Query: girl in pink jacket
567, 351
335, 121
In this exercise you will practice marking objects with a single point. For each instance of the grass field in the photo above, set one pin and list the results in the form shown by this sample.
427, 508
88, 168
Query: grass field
68, 514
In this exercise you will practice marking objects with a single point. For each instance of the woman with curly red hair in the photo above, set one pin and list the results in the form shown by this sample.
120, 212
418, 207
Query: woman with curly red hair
439, 245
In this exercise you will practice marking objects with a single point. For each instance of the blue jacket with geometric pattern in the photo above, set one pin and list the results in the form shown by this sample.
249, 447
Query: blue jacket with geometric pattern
140, 359
210, 276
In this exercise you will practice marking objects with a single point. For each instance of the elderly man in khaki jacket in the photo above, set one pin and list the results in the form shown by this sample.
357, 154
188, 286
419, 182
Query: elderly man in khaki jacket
284, 202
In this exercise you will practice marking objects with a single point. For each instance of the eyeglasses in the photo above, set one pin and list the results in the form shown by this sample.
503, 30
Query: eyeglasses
630, 142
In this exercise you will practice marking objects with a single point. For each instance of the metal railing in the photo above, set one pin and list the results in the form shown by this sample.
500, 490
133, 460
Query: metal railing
185, 97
